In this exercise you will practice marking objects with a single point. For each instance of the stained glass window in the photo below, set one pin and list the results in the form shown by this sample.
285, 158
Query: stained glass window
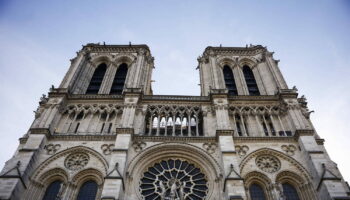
173, 178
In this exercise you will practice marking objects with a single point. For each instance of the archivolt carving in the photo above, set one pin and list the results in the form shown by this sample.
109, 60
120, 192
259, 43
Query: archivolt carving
93, 174
124, 58
97, 59
256, 177
227, 60
284, 176
53, 174
281, 156
78, 149
247, 60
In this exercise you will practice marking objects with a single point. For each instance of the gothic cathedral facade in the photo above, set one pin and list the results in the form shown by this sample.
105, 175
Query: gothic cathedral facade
102, 134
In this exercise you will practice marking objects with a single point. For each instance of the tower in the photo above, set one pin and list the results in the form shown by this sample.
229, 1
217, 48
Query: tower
102, 134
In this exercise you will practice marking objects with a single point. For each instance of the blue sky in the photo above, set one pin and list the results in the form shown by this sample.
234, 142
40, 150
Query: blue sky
311, 38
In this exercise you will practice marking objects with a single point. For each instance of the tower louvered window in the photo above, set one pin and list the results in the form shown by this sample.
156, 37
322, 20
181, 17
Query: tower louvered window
256, 192
97, 79
290, 192
250, 80
230, 80
88, 191
53, 190
119, 79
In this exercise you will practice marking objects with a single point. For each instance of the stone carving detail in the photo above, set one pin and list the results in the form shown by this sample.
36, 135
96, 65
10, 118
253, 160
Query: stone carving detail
289, 149
52, 148
268, 163
76, 161
242, 150
107, 148
139, 146
261, 110
174, 179
210, 147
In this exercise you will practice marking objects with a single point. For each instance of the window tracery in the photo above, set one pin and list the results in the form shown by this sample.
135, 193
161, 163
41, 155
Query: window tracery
173, 179
173, 121
268, 163
76, 161
77, 119
269, 117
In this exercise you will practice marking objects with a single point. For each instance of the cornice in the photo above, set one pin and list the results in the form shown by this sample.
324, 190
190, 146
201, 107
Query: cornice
249, 51
84, 137
303, 132
264, 139
97, 48
199, 139
254, 98
175, 98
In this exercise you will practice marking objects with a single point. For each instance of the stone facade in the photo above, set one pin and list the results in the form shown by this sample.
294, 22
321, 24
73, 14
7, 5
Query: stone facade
135, 145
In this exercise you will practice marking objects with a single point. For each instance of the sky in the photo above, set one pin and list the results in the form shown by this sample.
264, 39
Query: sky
310, 38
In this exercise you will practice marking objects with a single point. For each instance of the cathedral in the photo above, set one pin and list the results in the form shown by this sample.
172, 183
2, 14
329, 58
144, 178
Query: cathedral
102, 134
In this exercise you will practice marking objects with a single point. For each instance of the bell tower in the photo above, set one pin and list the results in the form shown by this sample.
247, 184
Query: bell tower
241, 70
110, 69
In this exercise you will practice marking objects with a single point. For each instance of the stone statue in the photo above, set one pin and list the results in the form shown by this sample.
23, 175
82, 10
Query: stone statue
173, 192
162, 190
182, 193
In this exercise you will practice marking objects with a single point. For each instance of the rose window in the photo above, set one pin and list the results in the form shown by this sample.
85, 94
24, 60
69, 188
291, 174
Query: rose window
172, 180
268, 163
76, 161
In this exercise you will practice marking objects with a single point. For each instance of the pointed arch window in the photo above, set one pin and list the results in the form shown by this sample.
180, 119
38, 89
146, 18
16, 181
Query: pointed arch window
53, 190
250, 80
256, 192
229, 80
119, 79
88, 191
97, 79
290, 192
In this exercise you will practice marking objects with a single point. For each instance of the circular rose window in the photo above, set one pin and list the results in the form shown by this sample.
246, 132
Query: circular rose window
173, 179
